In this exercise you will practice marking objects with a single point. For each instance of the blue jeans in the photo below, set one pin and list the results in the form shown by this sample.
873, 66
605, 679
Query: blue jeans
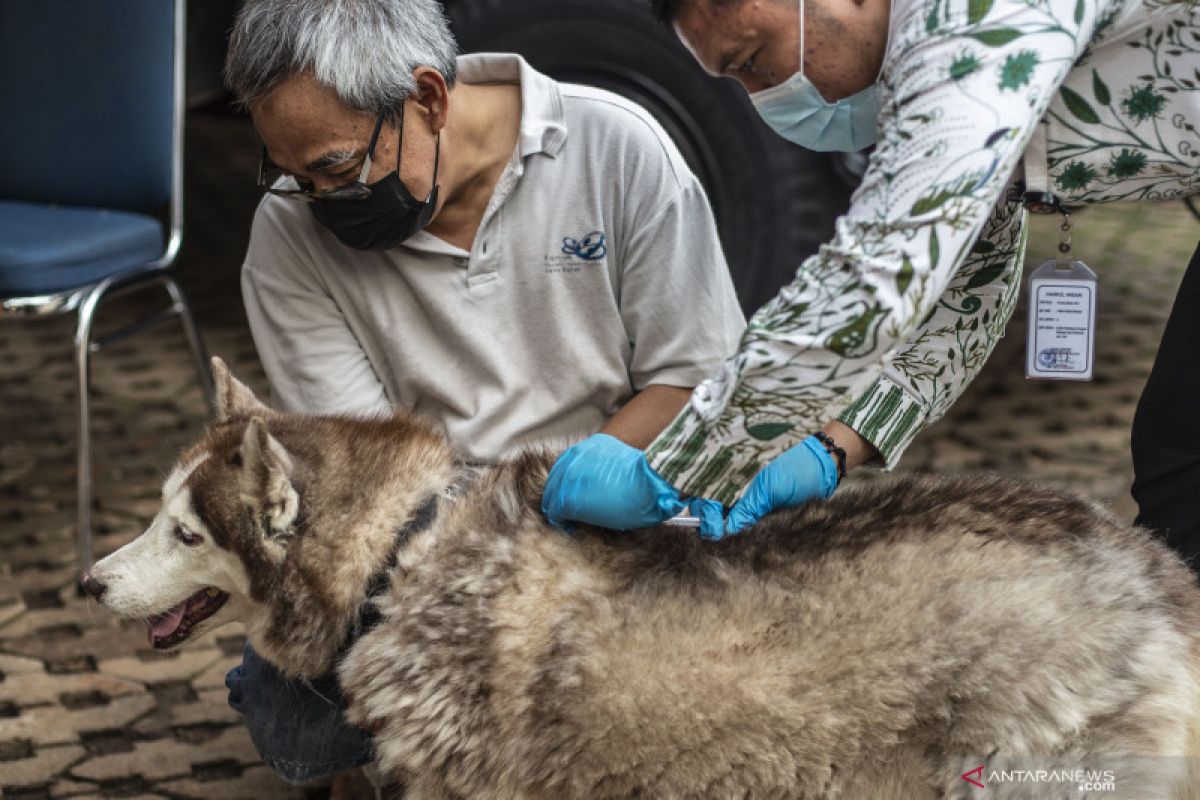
297, 728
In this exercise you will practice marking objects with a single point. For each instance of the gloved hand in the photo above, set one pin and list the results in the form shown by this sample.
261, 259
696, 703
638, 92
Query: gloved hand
804, 472
603, 481
711, 515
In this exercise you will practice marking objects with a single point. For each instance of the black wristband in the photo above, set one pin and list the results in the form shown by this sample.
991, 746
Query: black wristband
835, 451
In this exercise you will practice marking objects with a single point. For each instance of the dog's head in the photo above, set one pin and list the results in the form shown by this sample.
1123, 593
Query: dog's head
227, 508
279, 521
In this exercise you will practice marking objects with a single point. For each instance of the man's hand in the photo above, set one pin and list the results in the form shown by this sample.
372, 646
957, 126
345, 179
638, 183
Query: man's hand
603, 481
804, 472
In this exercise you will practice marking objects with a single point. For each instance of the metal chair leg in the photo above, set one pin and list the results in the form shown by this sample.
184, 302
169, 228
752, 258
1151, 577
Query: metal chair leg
83, 494
179, 300
84, 346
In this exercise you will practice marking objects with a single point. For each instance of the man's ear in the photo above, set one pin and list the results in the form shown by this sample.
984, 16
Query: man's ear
235, 400
433, 97
266, 480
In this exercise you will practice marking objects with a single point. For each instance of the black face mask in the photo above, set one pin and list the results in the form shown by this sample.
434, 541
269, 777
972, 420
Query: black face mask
388, 216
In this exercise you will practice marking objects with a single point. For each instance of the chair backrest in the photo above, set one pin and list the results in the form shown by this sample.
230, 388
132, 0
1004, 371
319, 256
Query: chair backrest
88, 100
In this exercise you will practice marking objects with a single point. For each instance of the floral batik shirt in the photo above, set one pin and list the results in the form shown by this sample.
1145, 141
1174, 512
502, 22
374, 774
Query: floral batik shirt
889, 322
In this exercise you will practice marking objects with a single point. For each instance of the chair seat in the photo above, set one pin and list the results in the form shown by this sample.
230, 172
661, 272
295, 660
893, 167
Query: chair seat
46, 249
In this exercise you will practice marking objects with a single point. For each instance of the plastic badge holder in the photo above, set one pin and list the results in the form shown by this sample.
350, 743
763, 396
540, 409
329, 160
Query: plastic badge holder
1062, 322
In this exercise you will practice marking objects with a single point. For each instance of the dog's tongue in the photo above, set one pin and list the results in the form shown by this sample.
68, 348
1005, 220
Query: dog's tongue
166, 624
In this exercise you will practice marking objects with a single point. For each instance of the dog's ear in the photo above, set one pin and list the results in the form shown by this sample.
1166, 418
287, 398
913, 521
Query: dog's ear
265, 483
235, 400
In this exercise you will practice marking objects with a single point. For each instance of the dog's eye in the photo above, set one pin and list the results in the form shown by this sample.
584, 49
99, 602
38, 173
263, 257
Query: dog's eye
187, 537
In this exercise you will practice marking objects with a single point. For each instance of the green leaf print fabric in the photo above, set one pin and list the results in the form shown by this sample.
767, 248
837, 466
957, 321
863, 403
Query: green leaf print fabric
890, 321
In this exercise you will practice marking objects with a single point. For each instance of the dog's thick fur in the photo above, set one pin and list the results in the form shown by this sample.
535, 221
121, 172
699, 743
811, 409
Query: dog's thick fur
875, 646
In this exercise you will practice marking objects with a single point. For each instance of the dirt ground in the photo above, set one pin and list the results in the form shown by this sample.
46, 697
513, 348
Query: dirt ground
86, 710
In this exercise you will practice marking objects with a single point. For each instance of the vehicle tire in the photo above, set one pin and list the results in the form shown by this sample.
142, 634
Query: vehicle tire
775, 203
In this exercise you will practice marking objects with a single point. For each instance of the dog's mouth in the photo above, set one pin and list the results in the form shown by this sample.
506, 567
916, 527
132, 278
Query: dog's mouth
174, 626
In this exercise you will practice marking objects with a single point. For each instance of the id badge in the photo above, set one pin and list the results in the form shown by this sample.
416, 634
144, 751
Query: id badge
1062, 322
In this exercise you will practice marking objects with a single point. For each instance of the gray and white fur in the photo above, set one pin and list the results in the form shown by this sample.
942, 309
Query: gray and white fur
878, 645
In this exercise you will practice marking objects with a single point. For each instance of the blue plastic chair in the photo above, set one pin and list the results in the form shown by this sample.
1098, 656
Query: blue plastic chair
91, 158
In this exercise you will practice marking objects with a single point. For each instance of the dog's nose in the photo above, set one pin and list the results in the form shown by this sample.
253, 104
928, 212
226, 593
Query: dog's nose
92, 586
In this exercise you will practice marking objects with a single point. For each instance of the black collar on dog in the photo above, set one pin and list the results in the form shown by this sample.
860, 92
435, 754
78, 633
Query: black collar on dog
368, 612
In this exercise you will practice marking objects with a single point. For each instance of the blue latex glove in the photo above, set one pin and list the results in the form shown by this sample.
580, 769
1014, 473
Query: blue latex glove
711, 515
603, 481
804, 472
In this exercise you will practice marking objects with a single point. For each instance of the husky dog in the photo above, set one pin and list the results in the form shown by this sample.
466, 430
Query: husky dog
911, 639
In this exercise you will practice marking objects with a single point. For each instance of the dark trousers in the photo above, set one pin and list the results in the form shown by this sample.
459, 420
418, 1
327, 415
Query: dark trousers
1166, 428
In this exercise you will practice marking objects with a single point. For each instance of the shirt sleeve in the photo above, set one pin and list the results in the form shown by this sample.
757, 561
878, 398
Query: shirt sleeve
677, 299
312, 359
934, 366
964, 83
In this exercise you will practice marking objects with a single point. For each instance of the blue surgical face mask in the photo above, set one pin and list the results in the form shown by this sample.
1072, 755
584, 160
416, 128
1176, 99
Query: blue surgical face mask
796, 111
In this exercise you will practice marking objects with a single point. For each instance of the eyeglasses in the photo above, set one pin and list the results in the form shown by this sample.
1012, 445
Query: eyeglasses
269, 173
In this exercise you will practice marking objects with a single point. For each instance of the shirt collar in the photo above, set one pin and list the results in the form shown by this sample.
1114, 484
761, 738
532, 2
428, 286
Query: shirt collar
542, 127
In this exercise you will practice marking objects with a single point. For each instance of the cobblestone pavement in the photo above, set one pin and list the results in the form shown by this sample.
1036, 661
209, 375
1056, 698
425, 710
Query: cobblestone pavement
87, 710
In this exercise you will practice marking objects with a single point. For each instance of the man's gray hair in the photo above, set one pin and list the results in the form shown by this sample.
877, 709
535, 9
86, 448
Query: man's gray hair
364, 50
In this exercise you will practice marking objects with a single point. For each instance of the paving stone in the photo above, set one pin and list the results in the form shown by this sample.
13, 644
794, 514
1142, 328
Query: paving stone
71, 664
15, 749
68, 642
45, 765
214, 676
173, 693
17, 462
230, 635
72, 789
71, 593
256, 783
78, 613
11, 603
211, 708
45, 554
144, 508
19, 360
46, 598
117, 527
53, 576
167, 758
158, 668
16, 665
53, 724
232, 640
208, 713
33, 686
21, 509
10, 612
155, 725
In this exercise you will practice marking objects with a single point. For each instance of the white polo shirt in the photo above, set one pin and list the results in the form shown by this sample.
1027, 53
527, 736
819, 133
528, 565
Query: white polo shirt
595, 273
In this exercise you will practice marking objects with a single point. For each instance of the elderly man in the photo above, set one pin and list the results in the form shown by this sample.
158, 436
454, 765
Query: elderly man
518, 259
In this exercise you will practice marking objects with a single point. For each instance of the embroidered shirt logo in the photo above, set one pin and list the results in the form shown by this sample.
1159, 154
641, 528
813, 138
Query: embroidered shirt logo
589, 248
